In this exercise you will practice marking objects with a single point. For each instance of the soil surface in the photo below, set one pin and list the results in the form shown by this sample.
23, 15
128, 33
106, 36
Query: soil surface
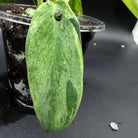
19, 10
14, 9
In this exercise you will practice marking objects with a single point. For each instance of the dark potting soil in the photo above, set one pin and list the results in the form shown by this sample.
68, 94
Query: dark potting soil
14, 9
14, 40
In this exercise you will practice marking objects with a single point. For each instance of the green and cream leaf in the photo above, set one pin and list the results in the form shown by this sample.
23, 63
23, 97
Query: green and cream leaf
55, 65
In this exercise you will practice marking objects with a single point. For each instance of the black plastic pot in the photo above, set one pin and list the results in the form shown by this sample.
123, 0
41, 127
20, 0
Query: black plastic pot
15, 29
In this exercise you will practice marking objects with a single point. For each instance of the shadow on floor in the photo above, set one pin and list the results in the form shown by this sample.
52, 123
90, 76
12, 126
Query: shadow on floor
9, 111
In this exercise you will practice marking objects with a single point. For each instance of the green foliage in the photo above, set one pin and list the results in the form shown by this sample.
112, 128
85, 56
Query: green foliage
29, 12
39, 2
132, 6
76, 6
6, 1
54, 65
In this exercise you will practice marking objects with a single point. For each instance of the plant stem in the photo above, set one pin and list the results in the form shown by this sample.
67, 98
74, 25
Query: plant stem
34, 2
39, 2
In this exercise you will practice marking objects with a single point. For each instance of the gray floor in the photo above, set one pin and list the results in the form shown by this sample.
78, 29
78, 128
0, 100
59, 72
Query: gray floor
110, 94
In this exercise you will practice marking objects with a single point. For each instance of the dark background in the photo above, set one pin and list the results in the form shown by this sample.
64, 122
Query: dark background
111, 76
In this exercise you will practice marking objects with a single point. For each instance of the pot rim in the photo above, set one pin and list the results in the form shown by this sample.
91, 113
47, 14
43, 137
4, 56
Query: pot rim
100, 26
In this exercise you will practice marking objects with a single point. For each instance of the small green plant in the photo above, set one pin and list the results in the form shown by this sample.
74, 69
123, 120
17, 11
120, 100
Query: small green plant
54, 65
55, 62
75, 5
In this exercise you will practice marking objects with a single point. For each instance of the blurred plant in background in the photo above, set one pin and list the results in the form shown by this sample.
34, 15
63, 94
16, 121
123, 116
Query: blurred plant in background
133, 7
